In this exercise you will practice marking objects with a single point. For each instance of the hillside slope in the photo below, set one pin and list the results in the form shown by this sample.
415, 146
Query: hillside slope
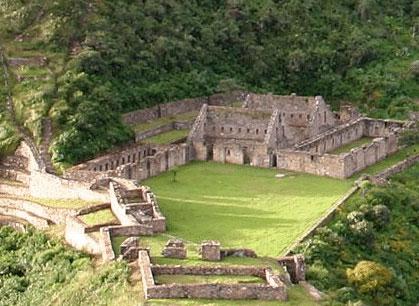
90, 61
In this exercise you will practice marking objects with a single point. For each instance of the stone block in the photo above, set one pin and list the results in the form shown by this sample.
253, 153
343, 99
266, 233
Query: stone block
211, 250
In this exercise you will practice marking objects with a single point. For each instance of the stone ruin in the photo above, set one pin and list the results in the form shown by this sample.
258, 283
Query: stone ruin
295, 267
291, 132
129, 249
210, 250
175, 248
286, 132
272, 288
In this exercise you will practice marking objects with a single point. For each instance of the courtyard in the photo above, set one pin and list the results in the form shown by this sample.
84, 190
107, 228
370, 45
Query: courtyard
243, 206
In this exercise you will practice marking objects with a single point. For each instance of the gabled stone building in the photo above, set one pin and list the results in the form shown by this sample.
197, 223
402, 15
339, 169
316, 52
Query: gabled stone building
249, 134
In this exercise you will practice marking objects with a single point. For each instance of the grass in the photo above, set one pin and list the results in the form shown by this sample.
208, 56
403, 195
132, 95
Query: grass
116, 243
243, 206
389, 161
98, 217
141, 127
207, 279
349, 146
167, 137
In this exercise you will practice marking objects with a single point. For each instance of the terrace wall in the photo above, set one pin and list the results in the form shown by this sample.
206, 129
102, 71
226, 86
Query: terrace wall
76, 234
180, 107
162, 129
36, 221
55, 215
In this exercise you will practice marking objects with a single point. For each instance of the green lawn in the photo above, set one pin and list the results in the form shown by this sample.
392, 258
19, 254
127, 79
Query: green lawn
349, 146
98, 217
167, 137
163, 121
243, 206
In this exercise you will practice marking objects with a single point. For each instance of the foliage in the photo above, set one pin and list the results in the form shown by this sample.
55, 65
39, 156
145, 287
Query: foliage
369, 277
366, 254
35, 269
109, 57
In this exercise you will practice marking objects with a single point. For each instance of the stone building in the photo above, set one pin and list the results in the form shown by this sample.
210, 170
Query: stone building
290, 132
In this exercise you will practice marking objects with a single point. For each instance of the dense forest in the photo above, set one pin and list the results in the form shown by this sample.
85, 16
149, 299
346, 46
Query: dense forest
369, 251
109, 57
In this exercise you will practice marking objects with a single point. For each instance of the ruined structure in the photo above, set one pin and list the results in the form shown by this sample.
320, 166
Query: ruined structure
291, 132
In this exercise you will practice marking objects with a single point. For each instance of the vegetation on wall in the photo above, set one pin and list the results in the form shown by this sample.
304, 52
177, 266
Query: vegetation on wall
108, 57
369, 251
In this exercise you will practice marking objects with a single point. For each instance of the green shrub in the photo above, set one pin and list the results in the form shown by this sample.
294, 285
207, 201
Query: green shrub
369, 277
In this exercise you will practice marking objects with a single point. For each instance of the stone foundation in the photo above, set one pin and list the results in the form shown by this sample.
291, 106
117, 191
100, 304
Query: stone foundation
274, 289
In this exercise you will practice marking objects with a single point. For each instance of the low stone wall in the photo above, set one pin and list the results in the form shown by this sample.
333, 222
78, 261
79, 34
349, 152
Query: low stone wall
77, 237
273, 290
55, 215
107, 233
93, 208
217, 291
208, 270
36, 221
382, 177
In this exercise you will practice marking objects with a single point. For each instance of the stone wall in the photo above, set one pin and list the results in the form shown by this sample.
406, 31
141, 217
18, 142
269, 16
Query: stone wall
45, 185
180, 106
274, 289
137, 162
53, 214
208, 270
76, 235
326, 164
36, 221
347, 133
177, 125
340, 166
334, 138
382, 177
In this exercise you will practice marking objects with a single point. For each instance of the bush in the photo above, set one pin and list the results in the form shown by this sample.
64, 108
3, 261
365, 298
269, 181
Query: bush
369, 276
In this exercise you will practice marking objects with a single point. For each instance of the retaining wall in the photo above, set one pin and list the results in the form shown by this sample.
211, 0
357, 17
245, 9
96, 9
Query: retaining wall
181, 106
382, 177
76, 235
36, 221
56, 215
162, 129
